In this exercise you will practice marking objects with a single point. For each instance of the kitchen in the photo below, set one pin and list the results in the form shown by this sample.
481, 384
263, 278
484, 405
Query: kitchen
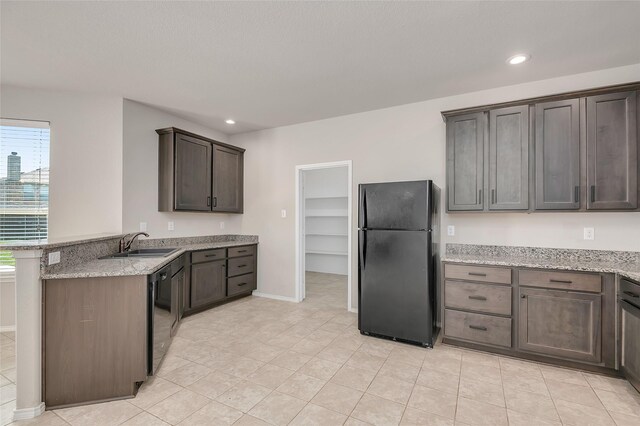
115, 189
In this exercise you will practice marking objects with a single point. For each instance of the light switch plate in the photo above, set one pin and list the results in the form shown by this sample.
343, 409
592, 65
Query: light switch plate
143, 226
54, 257
170, 226
589, 234
451, 230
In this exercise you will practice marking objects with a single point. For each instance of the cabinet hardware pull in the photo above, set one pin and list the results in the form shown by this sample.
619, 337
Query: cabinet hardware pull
576, 194
210, 255
241, 266
478, 327
560, 281
524, 296
477, 298
593, 193
242, 251
632, 294
215, 201
241, 284
477, 274
208, 201
163, 276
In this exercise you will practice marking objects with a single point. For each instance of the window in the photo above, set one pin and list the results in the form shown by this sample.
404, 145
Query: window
24, 182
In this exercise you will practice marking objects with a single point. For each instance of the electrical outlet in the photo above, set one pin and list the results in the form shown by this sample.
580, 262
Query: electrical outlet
143, 226
221, 225
170, 226
451, 230
54, 257
283, 213
589, 233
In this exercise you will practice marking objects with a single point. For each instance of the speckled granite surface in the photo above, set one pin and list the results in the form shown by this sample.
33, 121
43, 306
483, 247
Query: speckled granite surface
92, 266
624, 263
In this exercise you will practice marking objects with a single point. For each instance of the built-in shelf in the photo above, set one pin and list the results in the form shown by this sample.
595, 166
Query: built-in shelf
325, 215
311, 234
328, 253
324, 197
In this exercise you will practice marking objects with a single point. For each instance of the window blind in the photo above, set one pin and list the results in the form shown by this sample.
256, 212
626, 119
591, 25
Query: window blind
24, 181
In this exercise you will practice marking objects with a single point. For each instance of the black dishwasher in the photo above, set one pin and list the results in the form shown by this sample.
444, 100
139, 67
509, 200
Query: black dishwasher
629, 314
163, 311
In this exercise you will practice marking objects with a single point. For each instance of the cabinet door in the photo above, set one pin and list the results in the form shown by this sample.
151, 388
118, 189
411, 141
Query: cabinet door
560, 323
612, 152
465, 162
208, 282
192, 174
227, 180
629, 344
509, 158
558, 155
176, 300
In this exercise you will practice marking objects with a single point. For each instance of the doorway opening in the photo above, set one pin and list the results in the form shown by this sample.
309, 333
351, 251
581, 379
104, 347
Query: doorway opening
323, 234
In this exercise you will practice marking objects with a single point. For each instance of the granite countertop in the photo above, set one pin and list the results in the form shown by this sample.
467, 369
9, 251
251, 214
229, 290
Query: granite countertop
626, 264
138, 265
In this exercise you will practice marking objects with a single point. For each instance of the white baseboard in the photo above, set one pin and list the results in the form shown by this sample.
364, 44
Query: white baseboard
354, 310
28, 413
274, 296
7, 328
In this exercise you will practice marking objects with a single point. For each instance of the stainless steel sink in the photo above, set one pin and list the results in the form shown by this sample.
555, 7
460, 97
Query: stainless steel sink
145, 252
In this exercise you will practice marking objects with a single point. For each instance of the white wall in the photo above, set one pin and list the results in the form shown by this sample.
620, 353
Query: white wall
140, 191
86, 156
404, 143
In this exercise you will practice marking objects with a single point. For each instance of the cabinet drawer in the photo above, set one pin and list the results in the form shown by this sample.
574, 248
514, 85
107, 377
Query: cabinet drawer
208, 255
478, 328
478, 273
242, 251
493, 299
241, 284
240, 265
561, 280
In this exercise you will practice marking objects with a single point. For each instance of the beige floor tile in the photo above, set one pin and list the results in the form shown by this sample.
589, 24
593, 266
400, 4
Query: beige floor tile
520, 419
263, 352
187, 374
4, 381
178, 406
392, 389
522, 382
114, 412
413, 416
278, 408
572, 393
321, 336
301, 386
169, 363
580, 415
481, 359
242, 367
482, 391
214, 384
335, 354
270, 376
144, 419
308, 347
48, 418
436, 379
399, 370
624, 419
532, 404
244, 396
481, 373
517, 366
320, 368
153, 391
314, 415
480, 413
623, 403
248, 420
378, 411
7, 393
291, 360
377, 347
409, 355
337, 398
564, 375
213, 413
365, 361
355, 378
433, 401
607, 383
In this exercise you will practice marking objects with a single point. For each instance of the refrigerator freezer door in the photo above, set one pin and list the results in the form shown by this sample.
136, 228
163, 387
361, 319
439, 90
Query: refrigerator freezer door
394, 205
395, 299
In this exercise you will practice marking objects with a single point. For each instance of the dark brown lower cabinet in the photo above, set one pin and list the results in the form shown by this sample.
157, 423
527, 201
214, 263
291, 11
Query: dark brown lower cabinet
560, 323
208, 282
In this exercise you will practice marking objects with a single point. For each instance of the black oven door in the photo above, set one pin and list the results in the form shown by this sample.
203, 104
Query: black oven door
160, 318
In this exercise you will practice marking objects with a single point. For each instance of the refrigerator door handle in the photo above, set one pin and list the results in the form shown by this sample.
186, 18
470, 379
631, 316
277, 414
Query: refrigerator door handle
363, 248
363, 209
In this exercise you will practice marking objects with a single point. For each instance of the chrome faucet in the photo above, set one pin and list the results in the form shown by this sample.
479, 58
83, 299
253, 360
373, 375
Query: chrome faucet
125, 245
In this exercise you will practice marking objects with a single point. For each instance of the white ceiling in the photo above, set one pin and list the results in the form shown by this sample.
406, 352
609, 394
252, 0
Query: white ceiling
270, 64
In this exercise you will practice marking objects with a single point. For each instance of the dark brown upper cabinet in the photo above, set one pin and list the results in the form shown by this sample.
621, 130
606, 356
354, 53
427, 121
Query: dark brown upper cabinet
509, 158
573, 151
465, 165
557, 155
612, 151
198, 174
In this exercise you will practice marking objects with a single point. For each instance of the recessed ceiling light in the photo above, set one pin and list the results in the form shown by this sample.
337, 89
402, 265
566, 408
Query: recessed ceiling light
230, 121
518, 59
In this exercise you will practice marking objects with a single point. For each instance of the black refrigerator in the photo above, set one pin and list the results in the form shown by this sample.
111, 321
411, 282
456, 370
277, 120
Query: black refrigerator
398, 259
